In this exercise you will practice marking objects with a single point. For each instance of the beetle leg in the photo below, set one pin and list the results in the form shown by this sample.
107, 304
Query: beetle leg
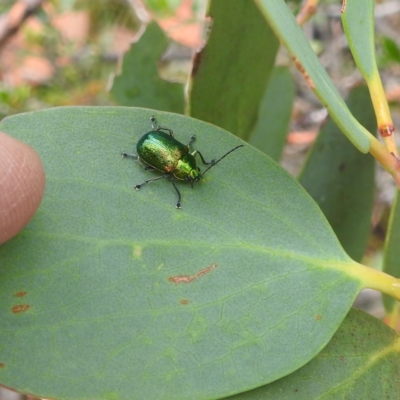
170, 131
154, 123
192, 139
137, 187
202, 158
155, 126
146, 168
178, 204
126, 155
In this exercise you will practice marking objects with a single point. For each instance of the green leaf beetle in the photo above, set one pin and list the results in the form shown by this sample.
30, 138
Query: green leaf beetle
159, 150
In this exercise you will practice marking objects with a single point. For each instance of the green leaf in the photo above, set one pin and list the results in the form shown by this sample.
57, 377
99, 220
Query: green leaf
358, 23
111, 292
139, 83
391, 50
360, 362
269, 133
231, 73
341, 179
163, 6
292, 37
391, 264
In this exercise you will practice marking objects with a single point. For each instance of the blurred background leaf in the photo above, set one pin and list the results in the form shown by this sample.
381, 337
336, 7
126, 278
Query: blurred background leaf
341, 180
231, 72
269, 133
139, 83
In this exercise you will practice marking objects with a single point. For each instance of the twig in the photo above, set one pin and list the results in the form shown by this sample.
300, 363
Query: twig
12, 21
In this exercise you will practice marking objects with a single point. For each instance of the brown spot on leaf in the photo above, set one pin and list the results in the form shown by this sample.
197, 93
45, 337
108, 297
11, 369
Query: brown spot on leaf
342, 166
2, 365
20, 294
20, 308
188, 278
196, 62
343, 9
318, 317
304, 73
184, 301
386, 130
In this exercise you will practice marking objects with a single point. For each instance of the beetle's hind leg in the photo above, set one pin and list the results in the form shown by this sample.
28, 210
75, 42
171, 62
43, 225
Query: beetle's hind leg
202, 158
145, 166
136, 158
156, 127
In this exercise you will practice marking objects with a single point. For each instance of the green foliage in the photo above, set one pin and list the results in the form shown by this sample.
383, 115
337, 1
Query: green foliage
163, 7
113, 293
77, 79
392, 256
105, 13
97, 265
5, 5
270, 130
391, 52
231, 73
139, 83
341, 179
358, 23
13, 101
286, 28
360, 362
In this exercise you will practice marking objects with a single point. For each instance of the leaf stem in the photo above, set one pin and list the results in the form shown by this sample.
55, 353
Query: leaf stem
378, 280
308, 9
358, 24
389, 161
381, 106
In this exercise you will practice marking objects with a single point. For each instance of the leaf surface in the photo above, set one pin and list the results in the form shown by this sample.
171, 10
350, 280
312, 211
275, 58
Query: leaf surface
360, 362
111, 292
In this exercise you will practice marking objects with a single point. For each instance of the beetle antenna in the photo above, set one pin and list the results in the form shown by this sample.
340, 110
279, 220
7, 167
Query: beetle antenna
216, 162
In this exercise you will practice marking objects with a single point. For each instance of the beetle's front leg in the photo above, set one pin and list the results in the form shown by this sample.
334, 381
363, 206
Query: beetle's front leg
202, 158
192, 139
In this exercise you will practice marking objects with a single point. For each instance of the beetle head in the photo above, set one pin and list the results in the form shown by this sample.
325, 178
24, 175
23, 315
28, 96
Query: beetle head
194, 176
